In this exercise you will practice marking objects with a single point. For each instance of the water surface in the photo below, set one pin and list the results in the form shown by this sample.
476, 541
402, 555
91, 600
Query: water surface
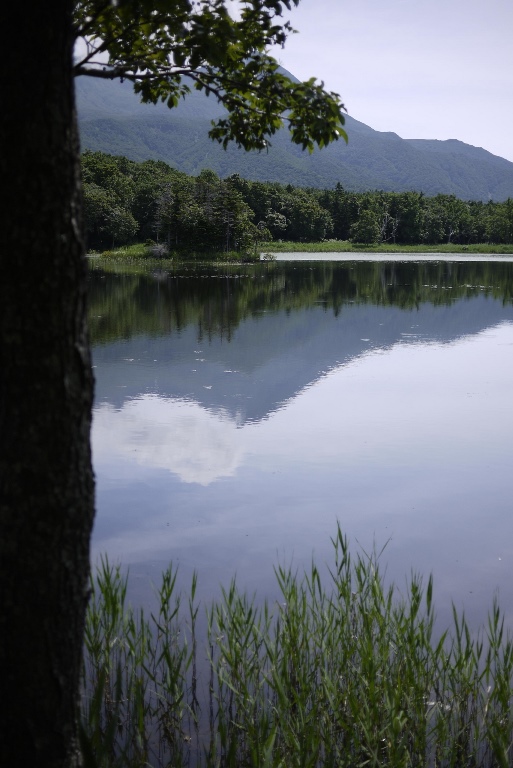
241, 412
384, 256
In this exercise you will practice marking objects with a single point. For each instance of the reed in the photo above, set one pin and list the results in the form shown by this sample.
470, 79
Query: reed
341, 671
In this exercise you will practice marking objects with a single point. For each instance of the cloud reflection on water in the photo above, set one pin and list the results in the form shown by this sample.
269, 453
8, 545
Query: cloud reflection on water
415, 404
182, 437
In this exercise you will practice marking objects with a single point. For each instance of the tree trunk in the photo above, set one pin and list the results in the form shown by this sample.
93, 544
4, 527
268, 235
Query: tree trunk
46, 480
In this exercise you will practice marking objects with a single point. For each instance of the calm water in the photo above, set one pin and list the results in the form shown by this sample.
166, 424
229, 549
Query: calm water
241, 412
384, 256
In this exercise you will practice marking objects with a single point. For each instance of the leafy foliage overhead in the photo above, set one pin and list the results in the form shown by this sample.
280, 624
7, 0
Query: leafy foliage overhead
165, 47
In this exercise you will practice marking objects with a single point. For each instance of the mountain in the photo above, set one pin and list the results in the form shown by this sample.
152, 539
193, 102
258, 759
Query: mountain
301, 346
112, 119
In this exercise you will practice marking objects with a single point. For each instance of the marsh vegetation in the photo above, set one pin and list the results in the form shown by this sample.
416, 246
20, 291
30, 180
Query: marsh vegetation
345, 669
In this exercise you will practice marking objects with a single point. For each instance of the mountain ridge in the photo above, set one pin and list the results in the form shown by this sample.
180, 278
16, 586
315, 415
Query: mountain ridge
113, 120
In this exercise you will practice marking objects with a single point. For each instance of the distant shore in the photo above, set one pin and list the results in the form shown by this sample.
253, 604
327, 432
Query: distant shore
329, 250
383, 256
347, 247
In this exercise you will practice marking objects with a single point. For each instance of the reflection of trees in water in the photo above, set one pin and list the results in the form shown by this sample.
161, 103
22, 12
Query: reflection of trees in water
217, 298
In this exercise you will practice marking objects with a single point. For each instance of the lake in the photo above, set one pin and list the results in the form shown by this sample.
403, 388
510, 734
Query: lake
241, 411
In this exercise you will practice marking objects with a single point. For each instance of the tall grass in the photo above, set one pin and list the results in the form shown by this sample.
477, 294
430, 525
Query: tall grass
347, 673
155, 255
344, 246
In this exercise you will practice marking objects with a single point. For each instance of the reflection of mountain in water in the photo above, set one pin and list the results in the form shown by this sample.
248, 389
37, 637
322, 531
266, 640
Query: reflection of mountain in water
272, 355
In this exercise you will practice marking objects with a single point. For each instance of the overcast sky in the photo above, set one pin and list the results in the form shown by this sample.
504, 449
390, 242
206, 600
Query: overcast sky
425, 69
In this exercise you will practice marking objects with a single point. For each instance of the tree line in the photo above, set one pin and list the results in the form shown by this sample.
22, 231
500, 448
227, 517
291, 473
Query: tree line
127, 201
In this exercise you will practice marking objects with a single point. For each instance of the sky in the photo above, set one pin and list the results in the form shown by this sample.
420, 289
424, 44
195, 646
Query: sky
441, 69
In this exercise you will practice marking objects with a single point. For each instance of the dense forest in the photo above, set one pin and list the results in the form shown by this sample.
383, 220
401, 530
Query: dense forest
128, 201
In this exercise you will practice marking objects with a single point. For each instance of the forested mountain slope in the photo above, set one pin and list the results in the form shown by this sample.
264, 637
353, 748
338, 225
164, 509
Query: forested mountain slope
113, 120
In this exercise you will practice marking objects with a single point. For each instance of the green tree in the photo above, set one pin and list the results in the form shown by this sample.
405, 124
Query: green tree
114, 174
107, 221
150, 178
307, 220
499, 226
164, 48
109, 193
46, 383
367, 228
479, 213
446, 219
165, 213
275, 223
343, 209
408, 210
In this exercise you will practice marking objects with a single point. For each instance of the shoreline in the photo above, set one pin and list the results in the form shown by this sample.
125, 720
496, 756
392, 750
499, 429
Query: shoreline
382, 256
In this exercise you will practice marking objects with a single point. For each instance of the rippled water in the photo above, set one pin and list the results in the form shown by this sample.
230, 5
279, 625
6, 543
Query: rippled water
240, 413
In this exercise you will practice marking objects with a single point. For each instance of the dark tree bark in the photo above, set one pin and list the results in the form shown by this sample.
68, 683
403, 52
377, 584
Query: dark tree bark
46, 480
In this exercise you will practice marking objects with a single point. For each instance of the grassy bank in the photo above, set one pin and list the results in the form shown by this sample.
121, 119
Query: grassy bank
343, 246
134, 254
343, 673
